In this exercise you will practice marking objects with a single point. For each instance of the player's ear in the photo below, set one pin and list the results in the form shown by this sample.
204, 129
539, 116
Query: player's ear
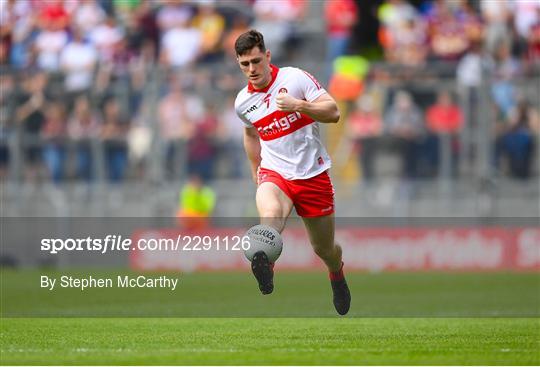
268, 55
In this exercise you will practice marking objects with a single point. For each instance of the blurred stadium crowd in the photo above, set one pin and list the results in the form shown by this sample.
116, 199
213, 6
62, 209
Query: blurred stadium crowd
130, 89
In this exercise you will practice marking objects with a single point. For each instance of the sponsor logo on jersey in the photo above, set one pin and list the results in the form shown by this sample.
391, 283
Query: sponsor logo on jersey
251, 109
281, 123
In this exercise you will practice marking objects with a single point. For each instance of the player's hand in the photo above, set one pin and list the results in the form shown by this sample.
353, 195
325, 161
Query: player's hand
286, 102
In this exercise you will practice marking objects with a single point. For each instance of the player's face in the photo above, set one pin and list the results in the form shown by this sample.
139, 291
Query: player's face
255, 65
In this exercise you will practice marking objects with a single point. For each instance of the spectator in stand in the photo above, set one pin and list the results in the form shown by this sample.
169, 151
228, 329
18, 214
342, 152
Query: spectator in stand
134, 34
240, 25
83, 128
107, 6
230, 139
69, 7
140, 68
182, 34
49, 43
7, 21
53, 15
140, 138
78, 61
30, 113
211, 24
295, 15
124, 8
516, 143
507, 68
175, 128
146, 20
526, 13
533, 42
202, 146
405, 125
53, 21
104, 37
341, 16
473, 68
392, 12
443, 118
391, 15
534, 119
4, 53
446, 33
171, 13
496, 14
88, 15
469, 18
54, 136
276, 20
7, 101
409, 43
124, 65
113, 134
365, 129
17, 27
127, 70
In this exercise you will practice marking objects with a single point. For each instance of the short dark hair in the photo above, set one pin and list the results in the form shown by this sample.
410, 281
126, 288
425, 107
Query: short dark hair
249, 40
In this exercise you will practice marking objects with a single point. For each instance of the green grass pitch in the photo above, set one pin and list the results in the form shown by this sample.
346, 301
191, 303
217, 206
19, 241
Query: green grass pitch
396, 318
259, 341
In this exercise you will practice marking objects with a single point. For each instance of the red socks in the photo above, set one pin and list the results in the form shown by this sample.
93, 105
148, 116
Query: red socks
337, 275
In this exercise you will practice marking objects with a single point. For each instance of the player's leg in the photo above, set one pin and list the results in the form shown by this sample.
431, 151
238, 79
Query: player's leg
321, 236
274, 207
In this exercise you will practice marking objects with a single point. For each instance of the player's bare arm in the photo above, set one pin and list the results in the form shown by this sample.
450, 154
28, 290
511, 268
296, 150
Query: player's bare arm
323, 109
252, 146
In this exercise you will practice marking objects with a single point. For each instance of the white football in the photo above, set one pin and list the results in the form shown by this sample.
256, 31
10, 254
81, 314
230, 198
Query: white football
264, 238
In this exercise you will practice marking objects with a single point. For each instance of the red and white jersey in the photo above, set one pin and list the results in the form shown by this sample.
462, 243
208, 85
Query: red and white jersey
290, 141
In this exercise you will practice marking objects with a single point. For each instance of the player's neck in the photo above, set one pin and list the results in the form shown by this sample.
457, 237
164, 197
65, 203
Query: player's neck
272, 72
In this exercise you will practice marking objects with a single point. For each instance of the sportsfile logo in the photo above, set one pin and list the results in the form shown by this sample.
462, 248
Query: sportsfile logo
280, 125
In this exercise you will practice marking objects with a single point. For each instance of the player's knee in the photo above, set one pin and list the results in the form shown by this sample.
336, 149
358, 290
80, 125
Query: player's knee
277, 223
271, 210
272, 215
